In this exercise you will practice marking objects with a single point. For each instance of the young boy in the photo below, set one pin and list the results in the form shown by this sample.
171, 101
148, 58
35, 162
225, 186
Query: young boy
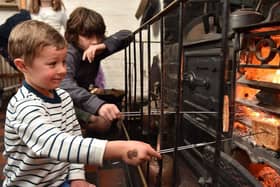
85, 33
43, 142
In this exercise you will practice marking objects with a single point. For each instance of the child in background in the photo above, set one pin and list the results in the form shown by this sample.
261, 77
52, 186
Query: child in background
43, 142
51, 12
85, 33
5, 30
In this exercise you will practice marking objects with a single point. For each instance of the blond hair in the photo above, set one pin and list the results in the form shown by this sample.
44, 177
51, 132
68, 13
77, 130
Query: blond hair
29, 37
35, 5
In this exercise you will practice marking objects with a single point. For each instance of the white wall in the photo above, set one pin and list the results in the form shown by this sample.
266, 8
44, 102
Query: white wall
4, 14
117, 14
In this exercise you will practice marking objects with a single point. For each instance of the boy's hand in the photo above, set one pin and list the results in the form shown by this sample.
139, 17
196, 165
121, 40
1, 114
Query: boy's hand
137, 152
131, 152
109, 112
81, 183
92, 50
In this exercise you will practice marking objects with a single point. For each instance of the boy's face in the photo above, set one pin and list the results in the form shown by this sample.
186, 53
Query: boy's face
47, 70
85, 42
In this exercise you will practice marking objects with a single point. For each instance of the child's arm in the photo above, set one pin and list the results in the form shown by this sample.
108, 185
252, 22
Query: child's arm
92, 50
131, 152
81, 96
112, 44
118, 41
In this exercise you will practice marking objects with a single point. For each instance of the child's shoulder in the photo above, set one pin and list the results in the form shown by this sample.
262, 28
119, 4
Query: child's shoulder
23, 94
22, 99
62, 93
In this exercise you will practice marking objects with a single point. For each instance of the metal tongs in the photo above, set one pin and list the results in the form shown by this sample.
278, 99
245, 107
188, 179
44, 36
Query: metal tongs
191, 146
185, 147
157, 113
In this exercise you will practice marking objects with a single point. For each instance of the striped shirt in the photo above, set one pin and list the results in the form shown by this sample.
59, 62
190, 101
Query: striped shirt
43, 142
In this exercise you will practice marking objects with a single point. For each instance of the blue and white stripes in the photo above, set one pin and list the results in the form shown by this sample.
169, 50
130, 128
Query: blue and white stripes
43, 140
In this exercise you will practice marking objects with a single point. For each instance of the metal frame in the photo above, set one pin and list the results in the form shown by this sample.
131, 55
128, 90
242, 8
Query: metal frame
131, 91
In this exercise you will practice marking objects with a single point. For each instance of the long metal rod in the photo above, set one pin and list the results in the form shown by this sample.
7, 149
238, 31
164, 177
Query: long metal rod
125, 80
191, 146
149, 75
129, 78
161, 14
158, 113
141, 70
222, 83
135, 72
162, 98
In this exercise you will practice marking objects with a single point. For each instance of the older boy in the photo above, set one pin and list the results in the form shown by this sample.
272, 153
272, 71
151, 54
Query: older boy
85, 33
43, 142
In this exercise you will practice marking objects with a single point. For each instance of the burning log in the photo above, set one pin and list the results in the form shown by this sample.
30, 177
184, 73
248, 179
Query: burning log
241, 128
271, 139
265, 174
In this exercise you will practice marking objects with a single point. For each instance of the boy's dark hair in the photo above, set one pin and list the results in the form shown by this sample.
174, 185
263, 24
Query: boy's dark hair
84, 22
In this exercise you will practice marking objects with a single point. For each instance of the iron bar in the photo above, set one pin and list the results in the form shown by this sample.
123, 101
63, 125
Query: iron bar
149, 73
222, 83
158, 113
191, 146
135, 72
162, 99
149, 90
129, 78
141, 70
179, 90
160, 15
125, 80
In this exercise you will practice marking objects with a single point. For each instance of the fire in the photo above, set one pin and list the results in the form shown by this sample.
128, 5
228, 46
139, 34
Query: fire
258, 116
240, 127
259, 74
265, 174
247, 93
276, 77
260, 52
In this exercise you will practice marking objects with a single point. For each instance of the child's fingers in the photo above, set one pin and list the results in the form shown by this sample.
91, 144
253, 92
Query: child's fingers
84, 56
154, 153
89, 59
120, 116
88, 55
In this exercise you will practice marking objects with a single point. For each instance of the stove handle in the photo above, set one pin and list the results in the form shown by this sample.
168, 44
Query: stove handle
193, 81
